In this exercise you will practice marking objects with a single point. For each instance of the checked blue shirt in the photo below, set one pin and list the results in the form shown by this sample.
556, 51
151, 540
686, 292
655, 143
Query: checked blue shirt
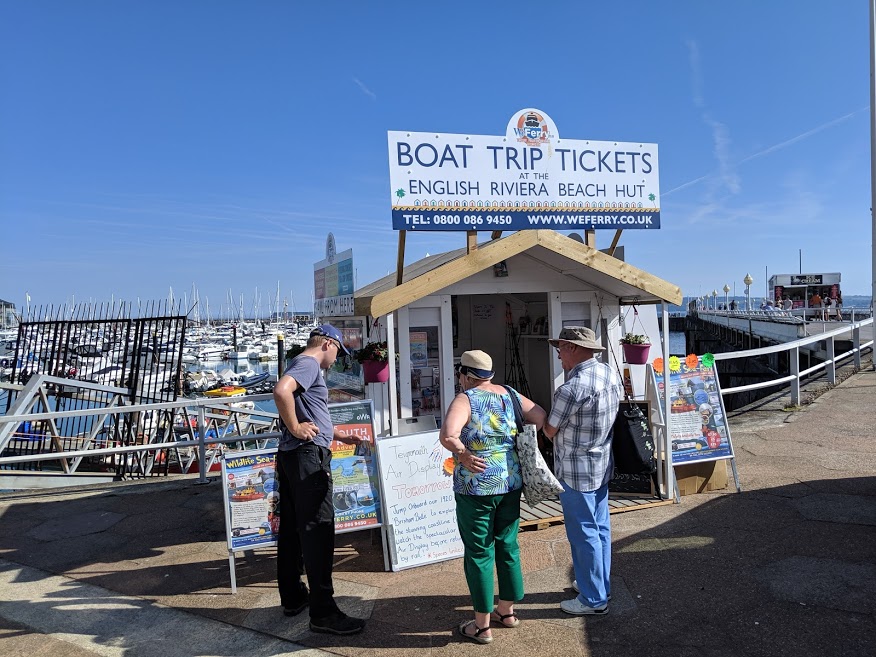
584, 410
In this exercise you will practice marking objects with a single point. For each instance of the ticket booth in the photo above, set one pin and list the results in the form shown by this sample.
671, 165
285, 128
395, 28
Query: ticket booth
506, 297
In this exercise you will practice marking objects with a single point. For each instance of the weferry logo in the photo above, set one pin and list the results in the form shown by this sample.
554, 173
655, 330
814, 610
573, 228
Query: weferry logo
532, 129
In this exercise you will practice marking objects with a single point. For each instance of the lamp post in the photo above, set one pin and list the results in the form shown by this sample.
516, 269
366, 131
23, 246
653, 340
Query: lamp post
714, 299
748, 280
726, 289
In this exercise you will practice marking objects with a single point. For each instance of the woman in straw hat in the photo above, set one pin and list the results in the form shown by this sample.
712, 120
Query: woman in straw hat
480, 430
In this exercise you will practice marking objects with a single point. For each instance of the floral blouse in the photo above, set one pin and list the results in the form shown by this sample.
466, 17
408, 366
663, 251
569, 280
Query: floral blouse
490, 434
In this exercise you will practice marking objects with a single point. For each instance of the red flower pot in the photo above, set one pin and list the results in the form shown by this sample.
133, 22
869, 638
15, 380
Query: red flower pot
636, 354
375, 371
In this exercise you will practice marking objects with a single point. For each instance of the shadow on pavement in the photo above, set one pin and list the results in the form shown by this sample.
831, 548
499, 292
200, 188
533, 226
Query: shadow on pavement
784, 570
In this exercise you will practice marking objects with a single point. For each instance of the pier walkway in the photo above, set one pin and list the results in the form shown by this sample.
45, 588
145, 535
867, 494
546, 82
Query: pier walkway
787, 567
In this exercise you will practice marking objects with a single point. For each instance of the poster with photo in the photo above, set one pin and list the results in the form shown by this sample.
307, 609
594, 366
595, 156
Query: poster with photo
699, 429
252, 493
419, 348
252, 499
356, 492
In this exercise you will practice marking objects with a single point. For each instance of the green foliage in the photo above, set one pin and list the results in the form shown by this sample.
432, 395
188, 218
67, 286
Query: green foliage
376, 351
634, 338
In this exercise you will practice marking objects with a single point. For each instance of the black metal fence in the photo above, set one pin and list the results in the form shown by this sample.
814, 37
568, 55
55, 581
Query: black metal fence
138, 357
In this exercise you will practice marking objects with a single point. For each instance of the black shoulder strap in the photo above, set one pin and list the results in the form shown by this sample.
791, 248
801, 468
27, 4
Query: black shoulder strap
518, 409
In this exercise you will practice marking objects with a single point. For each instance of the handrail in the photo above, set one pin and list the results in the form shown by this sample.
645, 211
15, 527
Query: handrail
204, 423
801, 342
793, 348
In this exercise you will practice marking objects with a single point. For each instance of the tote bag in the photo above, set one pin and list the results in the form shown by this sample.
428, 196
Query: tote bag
539, 483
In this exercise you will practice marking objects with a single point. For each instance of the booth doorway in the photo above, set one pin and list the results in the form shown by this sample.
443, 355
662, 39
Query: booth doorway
513, 329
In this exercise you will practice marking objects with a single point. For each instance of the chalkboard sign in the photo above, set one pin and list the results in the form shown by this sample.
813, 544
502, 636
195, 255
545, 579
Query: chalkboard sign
419, 507
630, 483
627, 482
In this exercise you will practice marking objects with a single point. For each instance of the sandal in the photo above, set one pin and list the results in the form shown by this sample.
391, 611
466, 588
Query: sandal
476, 637
501, 619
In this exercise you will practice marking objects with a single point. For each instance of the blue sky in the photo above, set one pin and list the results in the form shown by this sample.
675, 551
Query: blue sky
150, 145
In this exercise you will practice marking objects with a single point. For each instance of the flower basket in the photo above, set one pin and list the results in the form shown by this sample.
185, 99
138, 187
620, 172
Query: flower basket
636, 354
375, 371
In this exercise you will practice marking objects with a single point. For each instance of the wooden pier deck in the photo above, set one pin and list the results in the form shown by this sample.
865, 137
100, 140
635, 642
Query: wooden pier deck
550, 512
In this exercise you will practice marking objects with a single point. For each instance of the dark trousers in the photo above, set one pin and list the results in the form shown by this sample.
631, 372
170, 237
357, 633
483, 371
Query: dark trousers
306, 541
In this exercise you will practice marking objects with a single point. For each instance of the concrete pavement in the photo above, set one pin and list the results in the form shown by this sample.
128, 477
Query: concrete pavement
787, 567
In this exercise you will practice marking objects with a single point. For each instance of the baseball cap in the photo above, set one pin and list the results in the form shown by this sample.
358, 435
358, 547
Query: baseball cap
329, 331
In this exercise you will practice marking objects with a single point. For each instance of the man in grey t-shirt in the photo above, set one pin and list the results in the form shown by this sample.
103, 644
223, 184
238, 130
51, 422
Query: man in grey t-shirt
306, 539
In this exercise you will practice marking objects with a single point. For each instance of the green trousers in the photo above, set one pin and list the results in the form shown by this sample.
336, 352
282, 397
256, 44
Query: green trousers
488, 525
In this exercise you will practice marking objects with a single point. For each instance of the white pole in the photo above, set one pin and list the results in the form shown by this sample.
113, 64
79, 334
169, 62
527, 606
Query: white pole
667, 409
873, 154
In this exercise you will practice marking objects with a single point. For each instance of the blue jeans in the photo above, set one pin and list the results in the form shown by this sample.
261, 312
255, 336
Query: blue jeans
589, 531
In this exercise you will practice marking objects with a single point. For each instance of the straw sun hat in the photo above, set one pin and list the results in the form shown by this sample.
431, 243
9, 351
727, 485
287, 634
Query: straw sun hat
476, 364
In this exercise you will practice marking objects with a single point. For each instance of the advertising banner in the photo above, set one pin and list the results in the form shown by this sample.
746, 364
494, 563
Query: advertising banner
356, 495
252, 493
252, 499
699, 429
527, 178
333, 282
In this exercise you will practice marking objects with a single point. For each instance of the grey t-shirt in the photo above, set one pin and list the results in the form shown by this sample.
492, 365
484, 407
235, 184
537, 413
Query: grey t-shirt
311, 402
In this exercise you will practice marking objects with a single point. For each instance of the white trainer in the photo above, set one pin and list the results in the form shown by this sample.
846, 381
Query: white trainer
578, 608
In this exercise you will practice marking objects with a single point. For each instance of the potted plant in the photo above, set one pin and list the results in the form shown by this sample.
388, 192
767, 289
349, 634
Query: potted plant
374, 357
636, 348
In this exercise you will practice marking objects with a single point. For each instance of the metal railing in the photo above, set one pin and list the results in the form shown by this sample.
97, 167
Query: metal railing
797, 315
796, 375
136, 440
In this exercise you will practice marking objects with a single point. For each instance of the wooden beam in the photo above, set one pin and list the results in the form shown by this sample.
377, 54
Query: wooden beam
400, 265
490, 253
448, 274
590, 238
496, 235
613, 267
471, 241
614, 242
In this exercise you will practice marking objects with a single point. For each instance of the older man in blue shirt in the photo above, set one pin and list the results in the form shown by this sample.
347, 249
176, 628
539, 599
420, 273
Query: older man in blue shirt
580, 422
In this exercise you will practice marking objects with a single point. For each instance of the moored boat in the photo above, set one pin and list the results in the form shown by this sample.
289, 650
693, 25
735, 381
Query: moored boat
226, 391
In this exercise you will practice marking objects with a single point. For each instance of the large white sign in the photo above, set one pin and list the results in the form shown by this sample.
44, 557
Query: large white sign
527, 179
419, 506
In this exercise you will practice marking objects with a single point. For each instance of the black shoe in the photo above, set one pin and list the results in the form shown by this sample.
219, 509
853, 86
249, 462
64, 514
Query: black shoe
337, 623
297, 607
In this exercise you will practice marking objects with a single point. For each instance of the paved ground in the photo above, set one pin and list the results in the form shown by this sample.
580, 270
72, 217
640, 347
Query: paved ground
787, 567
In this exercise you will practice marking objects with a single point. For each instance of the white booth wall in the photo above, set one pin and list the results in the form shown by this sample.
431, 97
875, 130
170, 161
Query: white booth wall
473, 310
